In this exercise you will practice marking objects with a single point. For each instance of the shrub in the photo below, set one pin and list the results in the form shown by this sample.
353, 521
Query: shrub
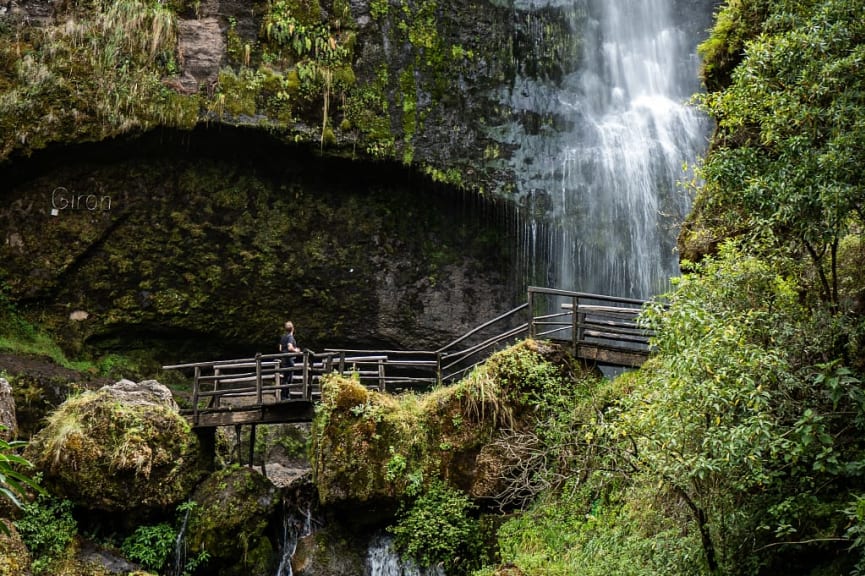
47, 528
437, 529
150, 546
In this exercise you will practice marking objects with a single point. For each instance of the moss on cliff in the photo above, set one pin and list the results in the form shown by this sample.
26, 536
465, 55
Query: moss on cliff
737, 22
369, 446
409, 80
88, 75
218, 253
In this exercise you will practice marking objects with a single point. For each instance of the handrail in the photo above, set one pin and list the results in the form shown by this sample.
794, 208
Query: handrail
484, 325
584, 295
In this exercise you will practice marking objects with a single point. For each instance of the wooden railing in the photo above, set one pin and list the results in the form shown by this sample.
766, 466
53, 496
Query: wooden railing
603, 329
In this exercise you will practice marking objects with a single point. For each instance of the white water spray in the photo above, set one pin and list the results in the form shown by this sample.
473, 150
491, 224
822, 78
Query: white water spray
180, 545
619, 197
605, 174
294, 528
383, 560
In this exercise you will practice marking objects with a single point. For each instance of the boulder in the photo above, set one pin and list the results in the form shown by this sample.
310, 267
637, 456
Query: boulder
124, 447
234, 508
14, 557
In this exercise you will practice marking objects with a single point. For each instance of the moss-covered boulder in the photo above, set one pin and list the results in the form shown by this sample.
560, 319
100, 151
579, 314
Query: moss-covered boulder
121, 448
14, 557
369, 446
234, 508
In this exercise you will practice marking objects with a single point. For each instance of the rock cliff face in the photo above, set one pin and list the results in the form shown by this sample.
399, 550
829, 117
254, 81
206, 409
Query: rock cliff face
422, 82
206, 242
237, 208
364, 206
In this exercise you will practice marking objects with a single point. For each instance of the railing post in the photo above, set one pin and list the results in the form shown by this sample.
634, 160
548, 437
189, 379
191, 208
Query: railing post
439, 368
252, 445
307, 394
342, 363
216, 399
258, 378
382, 387
576, 324
531, 302
195, 395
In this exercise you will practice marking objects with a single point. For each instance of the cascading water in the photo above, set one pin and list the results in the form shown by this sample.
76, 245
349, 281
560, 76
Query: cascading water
383, 560
180, 545
619, 182
294, 527
608, 177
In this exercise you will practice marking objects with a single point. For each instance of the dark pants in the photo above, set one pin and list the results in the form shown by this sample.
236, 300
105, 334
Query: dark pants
288, 376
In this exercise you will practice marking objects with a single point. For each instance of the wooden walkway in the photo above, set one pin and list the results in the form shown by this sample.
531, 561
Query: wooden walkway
263, 390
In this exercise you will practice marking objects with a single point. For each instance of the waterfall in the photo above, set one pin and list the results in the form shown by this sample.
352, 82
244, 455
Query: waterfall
619, 196
180, 545
607, 171
294, 527
383, 560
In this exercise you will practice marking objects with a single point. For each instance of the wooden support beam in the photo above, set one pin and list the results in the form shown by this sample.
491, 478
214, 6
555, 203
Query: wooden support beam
252, 444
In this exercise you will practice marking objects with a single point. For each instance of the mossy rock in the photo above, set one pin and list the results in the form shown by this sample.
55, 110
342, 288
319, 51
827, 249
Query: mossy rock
370, 447
353, 443
124, 447
14, 557
235, 508
39, 386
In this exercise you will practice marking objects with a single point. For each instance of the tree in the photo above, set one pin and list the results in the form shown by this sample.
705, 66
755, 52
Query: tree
785, 164
746, 415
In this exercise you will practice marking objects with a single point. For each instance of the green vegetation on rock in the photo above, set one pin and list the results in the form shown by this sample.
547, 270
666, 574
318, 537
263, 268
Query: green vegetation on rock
94, 73
115, 454
783, 169
372, 446
48, 529
234, 508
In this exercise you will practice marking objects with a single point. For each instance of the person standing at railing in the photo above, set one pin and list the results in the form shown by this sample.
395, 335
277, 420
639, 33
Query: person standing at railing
288, 344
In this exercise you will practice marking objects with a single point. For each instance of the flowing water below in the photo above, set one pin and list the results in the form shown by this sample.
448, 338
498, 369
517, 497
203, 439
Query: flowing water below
295, 526
383, 560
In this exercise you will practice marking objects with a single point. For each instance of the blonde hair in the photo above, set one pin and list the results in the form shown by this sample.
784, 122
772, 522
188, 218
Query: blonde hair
289, 326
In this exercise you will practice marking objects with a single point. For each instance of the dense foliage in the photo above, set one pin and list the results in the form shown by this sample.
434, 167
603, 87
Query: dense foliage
437, 529
785, 167
162, 547
737, 449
